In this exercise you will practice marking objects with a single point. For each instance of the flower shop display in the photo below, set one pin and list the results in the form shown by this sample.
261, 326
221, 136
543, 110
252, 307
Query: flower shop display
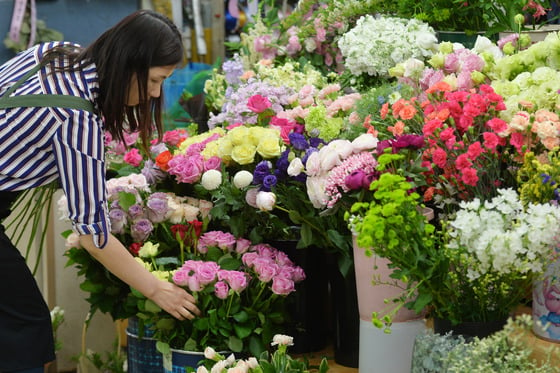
377, 43
477, 267
239, 287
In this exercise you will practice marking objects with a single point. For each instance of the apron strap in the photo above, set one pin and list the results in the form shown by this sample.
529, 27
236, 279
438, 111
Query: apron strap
64, 101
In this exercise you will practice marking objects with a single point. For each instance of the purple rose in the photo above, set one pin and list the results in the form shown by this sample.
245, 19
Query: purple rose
141, 230
136, 212
157, 209
118, 221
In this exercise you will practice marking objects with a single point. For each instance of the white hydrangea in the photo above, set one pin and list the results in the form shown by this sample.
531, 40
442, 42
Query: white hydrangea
376, 44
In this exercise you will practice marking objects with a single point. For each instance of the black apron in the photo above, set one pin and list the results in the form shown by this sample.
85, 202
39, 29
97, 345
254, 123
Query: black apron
26, 335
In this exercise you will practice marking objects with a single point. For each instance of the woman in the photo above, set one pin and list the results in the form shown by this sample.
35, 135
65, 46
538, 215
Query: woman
113, 85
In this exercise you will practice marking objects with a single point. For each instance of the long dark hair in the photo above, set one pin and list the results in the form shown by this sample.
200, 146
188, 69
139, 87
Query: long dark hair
142, 40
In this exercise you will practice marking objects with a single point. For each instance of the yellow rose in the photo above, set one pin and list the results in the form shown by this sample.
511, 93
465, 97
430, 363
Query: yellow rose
225, 148
269, 147
256, 134
211, 150
238, 135
244, 154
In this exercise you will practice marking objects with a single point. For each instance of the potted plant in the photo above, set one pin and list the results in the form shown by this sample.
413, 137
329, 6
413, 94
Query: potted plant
466, 18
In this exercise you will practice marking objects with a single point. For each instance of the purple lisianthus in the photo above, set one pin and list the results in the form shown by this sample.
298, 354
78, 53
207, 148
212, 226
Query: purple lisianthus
282, 165
262, 169
269, 182
382, 145
354, 181
141, 230
298, 141
315, 142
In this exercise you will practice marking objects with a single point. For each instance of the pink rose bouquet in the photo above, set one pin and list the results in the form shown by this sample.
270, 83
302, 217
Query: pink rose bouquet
240, 289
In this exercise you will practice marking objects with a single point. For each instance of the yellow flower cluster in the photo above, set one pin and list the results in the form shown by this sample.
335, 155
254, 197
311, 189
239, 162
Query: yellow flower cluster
242, 144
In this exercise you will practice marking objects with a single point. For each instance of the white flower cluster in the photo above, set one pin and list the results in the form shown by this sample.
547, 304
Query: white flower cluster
501, 236
376, 44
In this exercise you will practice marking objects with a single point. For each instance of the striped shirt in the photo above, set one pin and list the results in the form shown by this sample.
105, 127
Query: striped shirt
41, 145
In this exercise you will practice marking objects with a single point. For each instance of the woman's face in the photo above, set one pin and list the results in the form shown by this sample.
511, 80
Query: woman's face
156, 76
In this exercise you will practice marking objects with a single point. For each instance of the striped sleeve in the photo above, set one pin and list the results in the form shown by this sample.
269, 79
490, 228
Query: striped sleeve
78, 148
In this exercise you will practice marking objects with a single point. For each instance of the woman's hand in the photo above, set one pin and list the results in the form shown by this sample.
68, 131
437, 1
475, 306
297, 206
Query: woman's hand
118, 260
175, 301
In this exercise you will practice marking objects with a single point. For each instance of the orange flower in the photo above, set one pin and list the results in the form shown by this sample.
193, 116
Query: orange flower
440, 86
163, 159
397, 129
384, 110
407, 112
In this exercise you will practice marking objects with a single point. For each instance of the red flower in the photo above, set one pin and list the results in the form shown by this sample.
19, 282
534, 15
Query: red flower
187, 233
134, 248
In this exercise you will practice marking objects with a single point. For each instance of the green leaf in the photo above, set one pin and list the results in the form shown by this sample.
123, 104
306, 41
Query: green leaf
91, 287
241, 316
235, 344
126, 200
242, 331
151, 306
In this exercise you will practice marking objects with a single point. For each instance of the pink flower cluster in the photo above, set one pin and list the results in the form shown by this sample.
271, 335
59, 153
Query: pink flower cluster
189, 167
259, 265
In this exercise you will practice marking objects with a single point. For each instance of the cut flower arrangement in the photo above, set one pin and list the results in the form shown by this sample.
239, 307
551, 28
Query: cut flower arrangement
477, 267
146, 222
240, 289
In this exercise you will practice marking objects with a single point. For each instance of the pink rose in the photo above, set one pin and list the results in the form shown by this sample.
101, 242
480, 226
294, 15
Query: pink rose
242, 245
186, 169
283, 259
251, 197
181, 278
237, 280
282, 285
194, 283
133, 158
258, 103
213, 163
249, 258
207, 272
266, 269
221, 289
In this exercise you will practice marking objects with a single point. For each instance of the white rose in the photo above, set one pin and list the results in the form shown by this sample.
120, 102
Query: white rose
296, 167
190, 212
175, 212
211, 179
209, 353
316, 191
242, 179
251, 197
364, 142
328, 158
62, 205
265, 200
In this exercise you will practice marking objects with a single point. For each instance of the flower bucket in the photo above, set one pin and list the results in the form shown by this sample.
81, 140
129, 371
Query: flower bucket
536, 35
480, 329
142, 355
181, 359
546, 303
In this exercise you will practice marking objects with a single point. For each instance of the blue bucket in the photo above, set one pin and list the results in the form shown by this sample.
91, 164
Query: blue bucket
142, 355
180, 360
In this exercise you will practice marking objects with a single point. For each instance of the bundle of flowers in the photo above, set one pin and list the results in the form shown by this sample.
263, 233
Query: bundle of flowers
240, 289
477, 267
149, 224
276, 362
310, 32
376, 44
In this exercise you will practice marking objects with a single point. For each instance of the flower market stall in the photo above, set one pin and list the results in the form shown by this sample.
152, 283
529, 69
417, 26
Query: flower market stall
332, 132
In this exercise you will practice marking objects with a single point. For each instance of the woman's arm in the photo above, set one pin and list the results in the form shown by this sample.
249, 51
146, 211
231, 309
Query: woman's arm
121, 263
